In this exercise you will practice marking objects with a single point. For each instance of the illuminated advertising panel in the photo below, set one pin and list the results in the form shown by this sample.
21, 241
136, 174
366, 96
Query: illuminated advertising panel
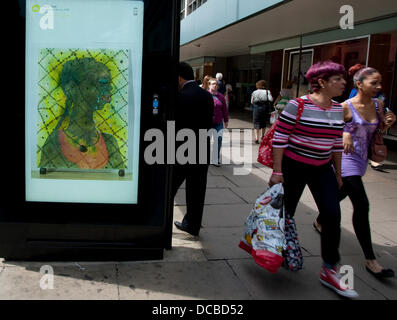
83, 99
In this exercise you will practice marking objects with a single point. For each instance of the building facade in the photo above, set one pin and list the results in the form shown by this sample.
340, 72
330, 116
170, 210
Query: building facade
272, 40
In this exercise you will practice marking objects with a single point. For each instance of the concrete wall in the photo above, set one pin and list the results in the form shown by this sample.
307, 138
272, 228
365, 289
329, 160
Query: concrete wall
216, 14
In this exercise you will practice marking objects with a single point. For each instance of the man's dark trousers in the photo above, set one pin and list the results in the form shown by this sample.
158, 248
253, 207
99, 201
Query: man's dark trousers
196, 184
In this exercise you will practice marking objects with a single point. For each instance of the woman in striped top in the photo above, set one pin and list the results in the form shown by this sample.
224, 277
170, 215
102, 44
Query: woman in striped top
309, 153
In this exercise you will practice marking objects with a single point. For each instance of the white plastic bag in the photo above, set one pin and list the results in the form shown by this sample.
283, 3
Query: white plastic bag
264, 235
273, 117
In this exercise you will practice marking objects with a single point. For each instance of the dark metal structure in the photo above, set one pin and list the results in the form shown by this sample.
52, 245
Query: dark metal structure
50, 231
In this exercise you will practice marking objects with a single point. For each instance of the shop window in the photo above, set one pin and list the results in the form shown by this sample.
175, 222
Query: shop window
347, 53
382, 55
300, 83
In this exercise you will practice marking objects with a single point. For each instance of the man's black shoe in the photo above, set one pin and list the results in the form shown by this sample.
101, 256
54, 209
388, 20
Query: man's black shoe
183, 227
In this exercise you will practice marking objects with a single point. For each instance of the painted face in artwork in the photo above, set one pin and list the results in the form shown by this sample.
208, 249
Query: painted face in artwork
87, 83
96, 88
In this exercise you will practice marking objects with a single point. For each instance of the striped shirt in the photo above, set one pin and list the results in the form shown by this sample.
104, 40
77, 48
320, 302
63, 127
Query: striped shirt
317, 135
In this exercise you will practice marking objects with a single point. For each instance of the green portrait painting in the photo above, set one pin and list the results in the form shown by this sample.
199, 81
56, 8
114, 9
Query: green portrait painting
83, 109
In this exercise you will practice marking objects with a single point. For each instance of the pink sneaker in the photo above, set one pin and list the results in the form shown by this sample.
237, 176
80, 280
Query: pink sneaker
331, 279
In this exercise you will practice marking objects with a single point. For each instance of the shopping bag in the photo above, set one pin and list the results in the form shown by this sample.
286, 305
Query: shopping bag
273, 117
293, 258
263, 236
265, 153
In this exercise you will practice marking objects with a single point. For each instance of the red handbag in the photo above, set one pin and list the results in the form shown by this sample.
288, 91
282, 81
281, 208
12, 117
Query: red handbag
265, 154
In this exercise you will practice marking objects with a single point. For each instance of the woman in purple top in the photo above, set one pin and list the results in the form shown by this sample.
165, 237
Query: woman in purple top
361, 119
221, 115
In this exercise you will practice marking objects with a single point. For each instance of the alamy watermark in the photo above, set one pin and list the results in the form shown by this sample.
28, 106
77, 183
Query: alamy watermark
47, 280
347, 277
47, 13
347, 20
236, 147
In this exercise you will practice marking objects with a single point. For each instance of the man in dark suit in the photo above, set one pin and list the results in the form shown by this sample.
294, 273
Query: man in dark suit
194, 111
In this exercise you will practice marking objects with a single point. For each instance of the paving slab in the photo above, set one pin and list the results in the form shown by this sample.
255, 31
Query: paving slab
179, 280
183, 251
305, 213
381, 245
184, 248
217, 181
310, 240
386, 229
223, 216
223, 170
287, 285
256, 178
222, 243
307, 196
71, 282
249, 194
381, 190
375, 176
212, 196
383, 210
385, 287
230, 215
179, 213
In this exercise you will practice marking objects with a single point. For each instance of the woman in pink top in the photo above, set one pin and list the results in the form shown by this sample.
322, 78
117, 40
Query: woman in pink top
220, 119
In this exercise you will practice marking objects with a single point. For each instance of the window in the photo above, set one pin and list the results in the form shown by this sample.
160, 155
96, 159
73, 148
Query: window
183, 9
188, 6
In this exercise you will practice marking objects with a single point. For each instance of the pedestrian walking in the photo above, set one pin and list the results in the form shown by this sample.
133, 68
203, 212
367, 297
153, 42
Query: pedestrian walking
221, 84
220, 120
285, 95
194, 111
204, 85
309, 153
261, 100
362, 119
379, 95
229, 96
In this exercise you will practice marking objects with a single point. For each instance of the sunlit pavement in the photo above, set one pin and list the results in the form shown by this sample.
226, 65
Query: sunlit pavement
212, 266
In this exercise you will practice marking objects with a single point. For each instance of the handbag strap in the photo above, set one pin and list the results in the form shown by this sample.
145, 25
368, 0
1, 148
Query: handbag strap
301, 106
217, 99
379, 113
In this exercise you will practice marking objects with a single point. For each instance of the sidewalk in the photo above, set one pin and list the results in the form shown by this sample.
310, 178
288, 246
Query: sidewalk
211, 266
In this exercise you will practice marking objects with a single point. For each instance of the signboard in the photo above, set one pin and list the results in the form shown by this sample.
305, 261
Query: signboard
83, 92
